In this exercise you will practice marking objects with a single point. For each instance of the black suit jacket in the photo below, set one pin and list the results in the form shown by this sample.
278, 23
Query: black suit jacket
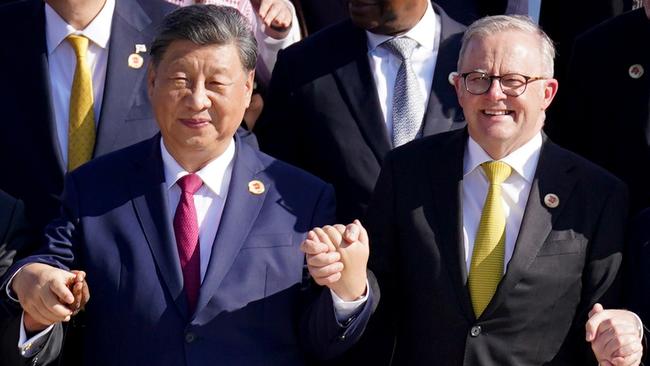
606, 109
565, 259
323, 112
29, 149
15, 233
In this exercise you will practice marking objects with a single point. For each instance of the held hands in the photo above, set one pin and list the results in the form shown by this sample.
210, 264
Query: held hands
49, 295
337, 257
276, 16
615, 337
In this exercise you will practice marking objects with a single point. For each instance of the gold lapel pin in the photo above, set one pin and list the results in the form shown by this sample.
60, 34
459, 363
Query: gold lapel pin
135, 61
551, 200
636, 71
256, 187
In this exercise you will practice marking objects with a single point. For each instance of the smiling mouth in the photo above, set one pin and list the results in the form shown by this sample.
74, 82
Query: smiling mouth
497, 112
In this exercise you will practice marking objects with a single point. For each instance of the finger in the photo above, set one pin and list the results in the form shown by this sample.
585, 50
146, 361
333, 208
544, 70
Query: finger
271, 14
264, 8
333, 234
85, 295
35, 313
620, 345
311, 247
51, 309
340, 228
61, 290
324, 238
283, 19
591, 328
628, 349
326, 271
326, 281
597, 308
323, 259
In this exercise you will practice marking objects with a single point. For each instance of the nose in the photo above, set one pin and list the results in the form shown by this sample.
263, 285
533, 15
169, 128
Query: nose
495, 92
198, 100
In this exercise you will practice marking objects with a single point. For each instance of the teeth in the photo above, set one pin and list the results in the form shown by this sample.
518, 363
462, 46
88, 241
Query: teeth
496, 112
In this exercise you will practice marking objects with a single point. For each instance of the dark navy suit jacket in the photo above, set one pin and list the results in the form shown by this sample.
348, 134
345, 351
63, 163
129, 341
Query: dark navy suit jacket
255, 307
29, 149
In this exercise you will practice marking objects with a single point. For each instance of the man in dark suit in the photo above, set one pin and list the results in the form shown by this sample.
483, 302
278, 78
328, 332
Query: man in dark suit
190, 241
615, 136
493, 245
34, 146
329, 107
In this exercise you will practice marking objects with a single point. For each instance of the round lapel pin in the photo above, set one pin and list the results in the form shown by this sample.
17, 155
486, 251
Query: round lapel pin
636, 71
551, 200
452, 77
256, 187
135, 61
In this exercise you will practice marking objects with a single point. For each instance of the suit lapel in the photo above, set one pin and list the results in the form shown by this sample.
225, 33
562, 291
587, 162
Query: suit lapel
442, 108
357, 86
44, 128
239, 214
554, 174
446, 175
151, 207
122, 82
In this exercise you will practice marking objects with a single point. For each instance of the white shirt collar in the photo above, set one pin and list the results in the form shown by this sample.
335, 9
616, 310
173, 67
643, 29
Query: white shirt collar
98, 31
212, 173
523, 160
422, 32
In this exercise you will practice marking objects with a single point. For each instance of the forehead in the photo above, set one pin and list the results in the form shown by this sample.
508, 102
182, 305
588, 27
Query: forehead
503, 52
187, 54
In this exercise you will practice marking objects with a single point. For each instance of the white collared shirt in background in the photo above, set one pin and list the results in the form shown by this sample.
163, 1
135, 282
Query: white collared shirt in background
384, 64
62, 62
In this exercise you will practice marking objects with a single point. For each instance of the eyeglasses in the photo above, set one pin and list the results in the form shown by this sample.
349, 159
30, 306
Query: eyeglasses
512, 85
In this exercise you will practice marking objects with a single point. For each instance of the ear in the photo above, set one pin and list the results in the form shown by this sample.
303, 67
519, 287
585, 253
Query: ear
249, 86
550, 90
151, 78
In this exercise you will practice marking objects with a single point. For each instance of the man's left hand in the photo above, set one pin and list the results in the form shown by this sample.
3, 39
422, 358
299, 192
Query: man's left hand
615, 337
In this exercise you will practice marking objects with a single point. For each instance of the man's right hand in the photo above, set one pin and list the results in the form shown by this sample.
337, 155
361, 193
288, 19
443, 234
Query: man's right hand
46, 294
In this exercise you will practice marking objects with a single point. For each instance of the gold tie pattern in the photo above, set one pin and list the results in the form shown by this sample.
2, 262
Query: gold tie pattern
486, 267
81, 128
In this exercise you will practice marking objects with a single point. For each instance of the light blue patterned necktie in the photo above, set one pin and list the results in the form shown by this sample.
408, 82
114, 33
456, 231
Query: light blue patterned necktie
408, 101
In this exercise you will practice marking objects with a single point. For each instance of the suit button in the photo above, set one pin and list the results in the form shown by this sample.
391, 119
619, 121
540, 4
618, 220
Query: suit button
475, 331
190, 337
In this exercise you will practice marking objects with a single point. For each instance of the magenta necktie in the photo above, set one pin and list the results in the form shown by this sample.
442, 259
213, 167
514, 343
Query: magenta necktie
186, 230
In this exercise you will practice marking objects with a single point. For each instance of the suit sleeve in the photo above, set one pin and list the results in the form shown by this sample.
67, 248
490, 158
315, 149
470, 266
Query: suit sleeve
325, 337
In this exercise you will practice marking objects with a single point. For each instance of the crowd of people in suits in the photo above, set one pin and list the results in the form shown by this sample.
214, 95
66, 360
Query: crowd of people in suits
271, 182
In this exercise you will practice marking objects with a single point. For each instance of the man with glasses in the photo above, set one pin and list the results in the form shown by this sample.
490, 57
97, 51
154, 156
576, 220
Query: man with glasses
491, 244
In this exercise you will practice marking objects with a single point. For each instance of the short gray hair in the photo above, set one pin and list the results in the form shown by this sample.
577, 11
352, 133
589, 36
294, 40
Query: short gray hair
500, 23
207, 25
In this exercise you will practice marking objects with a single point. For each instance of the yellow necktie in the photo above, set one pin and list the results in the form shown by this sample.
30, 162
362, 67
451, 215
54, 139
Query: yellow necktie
486, 267
81, 129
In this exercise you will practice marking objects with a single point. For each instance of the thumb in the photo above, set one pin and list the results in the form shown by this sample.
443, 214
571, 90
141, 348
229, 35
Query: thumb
59, 287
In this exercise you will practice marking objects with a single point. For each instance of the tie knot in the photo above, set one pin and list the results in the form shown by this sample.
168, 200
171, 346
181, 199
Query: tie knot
496, 171
402, 47
79, 44
190, 183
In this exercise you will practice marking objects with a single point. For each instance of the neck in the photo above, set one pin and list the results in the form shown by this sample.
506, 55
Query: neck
77, 13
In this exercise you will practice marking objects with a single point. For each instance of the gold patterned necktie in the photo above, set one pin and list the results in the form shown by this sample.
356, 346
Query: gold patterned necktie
81, 128
486, 267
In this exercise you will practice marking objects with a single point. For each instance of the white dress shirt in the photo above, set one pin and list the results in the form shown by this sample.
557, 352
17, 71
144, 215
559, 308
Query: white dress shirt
514, 191
384, 64
62, 62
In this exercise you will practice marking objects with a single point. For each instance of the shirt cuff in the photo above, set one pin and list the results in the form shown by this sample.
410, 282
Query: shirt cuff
346, 310
30, 347
10, 293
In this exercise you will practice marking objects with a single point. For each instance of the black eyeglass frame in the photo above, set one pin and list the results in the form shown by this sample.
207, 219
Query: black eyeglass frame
528, 79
